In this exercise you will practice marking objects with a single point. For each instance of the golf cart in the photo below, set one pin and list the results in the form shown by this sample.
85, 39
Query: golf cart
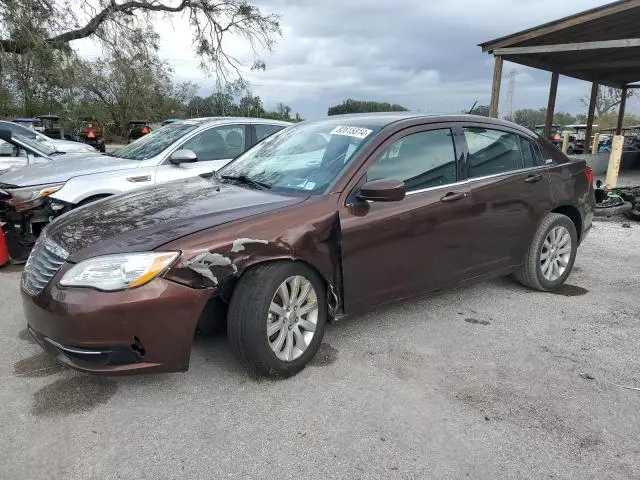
138, 129
51, 126
91, 133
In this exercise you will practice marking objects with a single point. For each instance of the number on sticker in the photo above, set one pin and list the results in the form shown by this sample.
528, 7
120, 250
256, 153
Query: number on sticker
356, 132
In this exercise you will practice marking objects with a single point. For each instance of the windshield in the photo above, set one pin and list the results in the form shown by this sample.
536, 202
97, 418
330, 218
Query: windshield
155, 142
307, 157
34, 144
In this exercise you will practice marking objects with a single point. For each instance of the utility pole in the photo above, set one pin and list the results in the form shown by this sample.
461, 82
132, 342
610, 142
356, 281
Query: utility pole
512, 89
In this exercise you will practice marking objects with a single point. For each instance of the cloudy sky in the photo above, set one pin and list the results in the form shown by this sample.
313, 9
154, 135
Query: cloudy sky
421, 54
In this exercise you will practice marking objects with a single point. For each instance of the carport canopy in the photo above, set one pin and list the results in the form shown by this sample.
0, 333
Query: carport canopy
601, 46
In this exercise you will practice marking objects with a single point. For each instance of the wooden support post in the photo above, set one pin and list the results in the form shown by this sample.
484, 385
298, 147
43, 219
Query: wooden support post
565, 141
591, 114
623, 103
495, 88
551, 106
596, 143
614, 162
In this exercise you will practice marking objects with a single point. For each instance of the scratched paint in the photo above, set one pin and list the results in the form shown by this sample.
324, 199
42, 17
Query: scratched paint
203, 262
238, 245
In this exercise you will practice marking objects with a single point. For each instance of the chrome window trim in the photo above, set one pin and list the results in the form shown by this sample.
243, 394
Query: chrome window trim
510, 172
429, 189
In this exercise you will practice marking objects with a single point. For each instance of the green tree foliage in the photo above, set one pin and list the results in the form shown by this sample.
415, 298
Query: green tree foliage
529, 117
47, 25
358, 106
236, 99
482, 110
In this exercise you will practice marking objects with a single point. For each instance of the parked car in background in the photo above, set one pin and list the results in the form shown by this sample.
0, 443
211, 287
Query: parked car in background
138, 129
323, 219
180, 150
90, 132
61, 146
17, 151
22, 211
30, 123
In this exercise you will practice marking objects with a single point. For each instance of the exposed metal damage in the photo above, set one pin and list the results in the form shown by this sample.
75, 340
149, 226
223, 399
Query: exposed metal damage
238, 245
202, 264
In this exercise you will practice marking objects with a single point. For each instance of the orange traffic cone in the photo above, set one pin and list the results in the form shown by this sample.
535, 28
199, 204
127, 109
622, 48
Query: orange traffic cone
4, 252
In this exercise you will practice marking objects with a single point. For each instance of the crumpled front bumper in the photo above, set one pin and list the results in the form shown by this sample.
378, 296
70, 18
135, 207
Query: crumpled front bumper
144, 330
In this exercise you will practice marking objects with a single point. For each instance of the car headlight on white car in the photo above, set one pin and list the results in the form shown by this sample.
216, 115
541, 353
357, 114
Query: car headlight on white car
31, 197
119, 271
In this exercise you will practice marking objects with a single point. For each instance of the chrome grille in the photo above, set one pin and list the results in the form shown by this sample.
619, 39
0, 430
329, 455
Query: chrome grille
45, 260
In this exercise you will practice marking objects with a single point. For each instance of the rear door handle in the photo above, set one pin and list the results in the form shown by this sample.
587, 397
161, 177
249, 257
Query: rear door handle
533, 178
453, 197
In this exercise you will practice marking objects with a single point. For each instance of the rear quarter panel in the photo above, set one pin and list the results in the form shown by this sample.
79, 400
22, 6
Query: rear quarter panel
569, 186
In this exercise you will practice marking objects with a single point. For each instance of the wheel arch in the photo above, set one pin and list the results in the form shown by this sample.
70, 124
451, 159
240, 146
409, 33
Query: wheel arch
574, 215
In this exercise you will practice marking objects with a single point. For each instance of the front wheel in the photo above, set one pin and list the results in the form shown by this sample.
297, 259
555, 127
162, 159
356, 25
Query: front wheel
277, 318
551, 255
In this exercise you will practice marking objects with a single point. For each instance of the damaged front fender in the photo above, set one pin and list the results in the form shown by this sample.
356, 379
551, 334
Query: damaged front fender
233, 248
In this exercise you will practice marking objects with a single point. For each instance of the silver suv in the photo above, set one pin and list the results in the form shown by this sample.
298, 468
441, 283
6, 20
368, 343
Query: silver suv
182, 149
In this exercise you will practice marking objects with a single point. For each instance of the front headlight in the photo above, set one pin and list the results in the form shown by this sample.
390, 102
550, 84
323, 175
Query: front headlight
31, 197
118, 272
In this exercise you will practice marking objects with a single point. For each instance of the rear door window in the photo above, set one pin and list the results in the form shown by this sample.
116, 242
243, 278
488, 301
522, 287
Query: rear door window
421, 160
529, 156
492, 152
265, 130
217, 143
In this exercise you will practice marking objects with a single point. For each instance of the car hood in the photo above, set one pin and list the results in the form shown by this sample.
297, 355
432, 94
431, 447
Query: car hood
71, 147
146, 218
66, 167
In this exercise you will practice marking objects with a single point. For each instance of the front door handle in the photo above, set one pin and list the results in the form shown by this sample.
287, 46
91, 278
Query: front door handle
533, 178
453, 197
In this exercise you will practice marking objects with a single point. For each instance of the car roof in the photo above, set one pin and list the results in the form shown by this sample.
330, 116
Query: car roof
407, 119
227, 120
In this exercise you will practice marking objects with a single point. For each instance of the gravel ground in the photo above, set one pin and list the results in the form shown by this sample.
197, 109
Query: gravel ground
490, 381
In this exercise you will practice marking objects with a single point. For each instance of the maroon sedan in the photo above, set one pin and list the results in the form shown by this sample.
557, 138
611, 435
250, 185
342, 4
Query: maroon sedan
323, 219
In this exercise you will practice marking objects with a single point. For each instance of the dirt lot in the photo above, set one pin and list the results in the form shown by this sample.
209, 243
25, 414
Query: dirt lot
491, 381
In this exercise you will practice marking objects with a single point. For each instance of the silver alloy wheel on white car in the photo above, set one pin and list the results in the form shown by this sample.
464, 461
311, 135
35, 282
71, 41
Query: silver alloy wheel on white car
292, 319
556, 253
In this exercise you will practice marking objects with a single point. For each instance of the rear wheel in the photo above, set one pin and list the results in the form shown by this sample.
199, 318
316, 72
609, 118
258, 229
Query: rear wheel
551, 255
277, 318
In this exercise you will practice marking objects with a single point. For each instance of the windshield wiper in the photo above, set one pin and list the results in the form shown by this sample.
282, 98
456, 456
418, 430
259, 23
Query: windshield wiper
246, 180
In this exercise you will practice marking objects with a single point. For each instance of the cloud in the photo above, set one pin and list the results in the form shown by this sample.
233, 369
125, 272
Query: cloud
423, 55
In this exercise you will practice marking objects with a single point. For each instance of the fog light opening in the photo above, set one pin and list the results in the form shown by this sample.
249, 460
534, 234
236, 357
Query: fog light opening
137, 347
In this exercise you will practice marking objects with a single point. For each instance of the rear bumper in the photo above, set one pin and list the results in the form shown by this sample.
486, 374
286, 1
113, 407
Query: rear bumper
145, 330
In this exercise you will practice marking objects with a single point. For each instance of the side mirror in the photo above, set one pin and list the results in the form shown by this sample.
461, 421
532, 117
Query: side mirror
183, 156
383, 190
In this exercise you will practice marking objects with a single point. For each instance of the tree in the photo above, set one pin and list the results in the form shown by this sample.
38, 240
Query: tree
49, 25
482, 110
529, 117
131, 85
610, 120
358, 106
284, 111
608, 98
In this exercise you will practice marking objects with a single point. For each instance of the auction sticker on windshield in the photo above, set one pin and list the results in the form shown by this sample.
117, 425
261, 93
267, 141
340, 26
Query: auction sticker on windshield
357, 132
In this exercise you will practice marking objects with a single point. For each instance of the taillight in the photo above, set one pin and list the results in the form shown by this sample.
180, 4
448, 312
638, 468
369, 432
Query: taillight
90, 134
588, 172
145, 130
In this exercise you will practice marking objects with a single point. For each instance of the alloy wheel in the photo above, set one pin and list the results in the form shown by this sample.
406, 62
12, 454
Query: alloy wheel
292, 318
556, 253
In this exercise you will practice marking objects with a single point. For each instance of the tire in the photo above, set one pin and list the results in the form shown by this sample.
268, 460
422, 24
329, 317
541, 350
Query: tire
249, 314
531, 273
